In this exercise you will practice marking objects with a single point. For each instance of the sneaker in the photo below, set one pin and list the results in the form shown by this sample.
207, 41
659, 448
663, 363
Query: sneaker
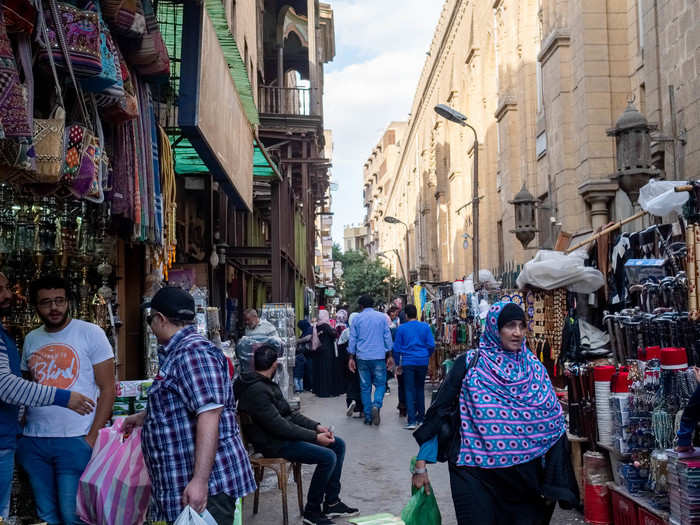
316, 517
339, 510
358, 415
351, 408
375, 416
410, 426
368, 421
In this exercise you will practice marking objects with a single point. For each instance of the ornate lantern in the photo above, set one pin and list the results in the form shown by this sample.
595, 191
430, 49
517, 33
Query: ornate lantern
632, 144
525, 223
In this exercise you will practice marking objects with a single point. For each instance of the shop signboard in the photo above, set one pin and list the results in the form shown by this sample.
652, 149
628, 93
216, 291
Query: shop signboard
211, 114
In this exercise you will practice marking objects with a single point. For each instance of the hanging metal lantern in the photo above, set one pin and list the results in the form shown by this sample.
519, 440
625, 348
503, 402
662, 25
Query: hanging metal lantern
525, 221
632, 144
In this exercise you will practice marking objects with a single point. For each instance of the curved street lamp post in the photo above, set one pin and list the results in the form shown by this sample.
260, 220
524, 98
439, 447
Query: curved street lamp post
453, 115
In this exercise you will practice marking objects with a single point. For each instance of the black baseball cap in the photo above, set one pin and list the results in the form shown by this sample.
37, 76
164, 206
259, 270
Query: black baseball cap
173, 302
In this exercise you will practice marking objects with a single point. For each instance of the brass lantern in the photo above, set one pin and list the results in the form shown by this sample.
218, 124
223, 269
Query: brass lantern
632, 144
525, 223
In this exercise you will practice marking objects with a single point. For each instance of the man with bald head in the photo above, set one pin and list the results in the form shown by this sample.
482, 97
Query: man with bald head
15, 392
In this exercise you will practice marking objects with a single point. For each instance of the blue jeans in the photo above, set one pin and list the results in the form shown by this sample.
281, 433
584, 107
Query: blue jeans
414, 389
326, 478
54, 466
372, 372
7, 467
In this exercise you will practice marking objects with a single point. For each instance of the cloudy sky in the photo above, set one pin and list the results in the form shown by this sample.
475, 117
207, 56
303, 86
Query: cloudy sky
381, 47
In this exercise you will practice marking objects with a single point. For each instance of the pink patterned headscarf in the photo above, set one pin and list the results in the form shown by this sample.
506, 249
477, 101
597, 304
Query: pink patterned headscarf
509, 411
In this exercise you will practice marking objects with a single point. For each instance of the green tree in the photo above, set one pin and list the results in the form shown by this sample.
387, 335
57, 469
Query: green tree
362, 275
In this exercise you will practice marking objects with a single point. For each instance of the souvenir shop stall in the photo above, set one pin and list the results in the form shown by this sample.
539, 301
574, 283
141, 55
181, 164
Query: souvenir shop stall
87, 185
628, 364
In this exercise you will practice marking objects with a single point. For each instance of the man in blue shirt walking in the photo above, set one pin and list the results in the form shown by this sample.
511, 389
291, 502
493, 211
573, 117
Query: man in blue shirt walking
370, 354
413, 346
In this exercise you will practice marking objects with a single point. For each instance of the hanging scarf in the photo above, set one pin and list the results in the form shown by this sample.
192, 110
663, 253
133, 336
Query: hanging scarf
509, 410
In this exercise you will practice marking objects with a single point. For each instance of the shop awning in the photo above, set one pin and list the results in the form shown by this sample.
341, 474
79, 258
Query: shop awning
237, 68
263, 165
187, 160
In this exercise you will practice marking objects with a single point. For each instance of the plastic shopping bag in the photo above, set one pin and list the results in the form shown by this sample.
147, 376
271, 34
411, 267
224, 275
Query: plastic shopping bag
189, 516
421, 509
115, 488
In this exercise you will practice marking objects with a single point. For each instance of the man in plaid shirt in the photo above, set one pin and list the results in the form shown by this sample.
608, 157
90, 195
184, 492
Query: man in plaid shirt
191, 442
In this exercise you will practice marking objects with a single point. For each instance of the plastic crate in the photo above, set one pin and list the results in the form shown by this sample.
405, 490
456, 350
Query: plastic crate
647, 518
624, 510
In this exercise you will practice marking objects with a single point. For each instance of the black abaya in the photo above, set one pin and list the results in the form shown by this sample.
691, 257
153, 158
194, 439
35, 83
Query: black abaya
324, 362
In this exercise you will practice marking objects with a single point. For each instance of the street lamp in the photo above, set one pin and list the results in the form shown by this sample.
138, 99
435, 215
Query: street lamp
453, 115
403, 272
394, 220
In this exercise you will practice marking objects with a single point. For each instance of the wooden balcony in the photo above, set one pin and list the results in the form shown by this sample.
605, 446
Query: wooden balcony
289, 109
289, 101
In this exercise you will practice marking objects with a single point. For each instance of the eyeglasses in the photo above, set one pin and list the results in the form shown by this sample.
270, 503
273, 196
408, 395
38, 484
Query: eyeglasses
58, 301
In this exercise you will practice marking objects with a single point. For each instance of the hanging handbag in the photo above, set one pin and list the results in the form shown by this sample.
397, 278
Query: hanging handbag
125, 17
151, 58
82, 155
80, 29
91, 189
48, 133
119, 108
110, 76
15, 113
20, 16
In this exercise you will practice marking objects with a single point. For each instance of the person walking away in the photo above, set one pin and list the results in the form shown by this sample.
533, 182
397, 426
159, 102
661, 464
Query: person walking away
689, 418
275, 430
370, 355
302, 349
394, 315
350, 380
324, 356
15, 392
413, 346
57, 443
508, 454
191, 443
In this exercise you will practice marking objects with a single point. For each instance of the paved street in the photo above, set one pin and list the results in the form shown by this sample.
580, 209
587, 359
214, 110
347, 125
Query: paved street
375, 475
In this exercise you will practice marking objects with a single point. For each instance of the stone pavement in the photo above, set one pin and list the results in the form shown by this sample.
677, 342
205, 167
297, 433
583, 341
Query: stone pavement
375, 474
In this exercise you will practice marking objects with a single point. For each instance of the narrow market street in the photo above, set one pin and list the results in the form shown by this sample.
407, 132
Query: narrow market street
375, 474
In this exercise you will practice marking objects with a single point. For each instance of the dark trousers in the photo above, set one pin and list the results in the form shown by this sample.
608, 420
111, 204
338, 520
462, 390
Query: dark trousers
222, 508
477, 502
402, 391
329, 467
308, 372
414, 390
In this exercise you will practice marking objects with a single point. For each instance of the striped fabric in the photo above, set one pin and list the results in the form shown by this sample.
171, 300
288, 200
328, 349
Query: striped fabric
16, 391
509, 411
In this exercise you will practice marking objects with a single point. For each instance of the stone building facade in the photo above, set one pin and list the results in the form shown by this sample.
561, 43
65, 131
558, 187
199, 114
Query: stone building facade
541, 82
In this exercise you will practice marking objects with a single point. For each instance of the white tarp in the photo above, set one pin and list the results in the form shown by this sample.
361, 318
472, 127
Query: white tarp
550, 270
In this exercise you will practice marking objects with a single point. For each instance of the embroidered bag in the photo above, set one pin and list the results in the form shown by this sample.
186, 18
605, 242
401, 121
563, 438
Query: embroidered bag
151, 59
16, 149
20, 16
80, 29
110, 76
119, 108
48, 133
14, 97
125, 17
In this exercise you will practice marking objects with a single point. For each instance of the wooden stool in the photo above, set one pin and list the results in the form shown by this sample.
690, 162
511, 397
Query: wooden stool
281, 467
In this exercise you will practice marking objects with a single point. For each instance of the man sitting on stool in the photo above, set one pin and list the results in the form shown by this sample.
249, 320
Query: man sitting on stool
278, 431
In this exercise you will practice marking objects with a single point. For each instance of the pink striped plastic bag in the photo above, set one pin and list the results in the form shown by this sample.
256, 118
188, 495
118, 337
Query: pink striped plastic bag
115, 488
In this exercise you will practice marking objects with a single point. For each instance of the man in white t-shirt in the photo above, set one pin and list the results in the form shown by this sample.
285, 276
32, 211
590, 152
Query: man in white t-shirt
57, 443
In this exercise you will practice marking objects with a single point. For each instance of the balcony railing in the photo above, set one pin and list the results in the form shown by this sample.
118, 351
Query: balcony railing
294, 101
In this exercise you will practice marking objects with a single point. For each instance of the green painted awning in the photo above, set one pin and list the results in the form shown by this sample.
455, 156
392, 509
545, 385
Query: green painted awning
263, 166
187, 160
237, 68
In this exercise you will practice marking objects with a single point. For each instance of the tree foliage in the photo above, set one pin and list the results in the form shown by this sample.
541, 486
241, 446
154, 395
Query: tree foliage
362, 275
